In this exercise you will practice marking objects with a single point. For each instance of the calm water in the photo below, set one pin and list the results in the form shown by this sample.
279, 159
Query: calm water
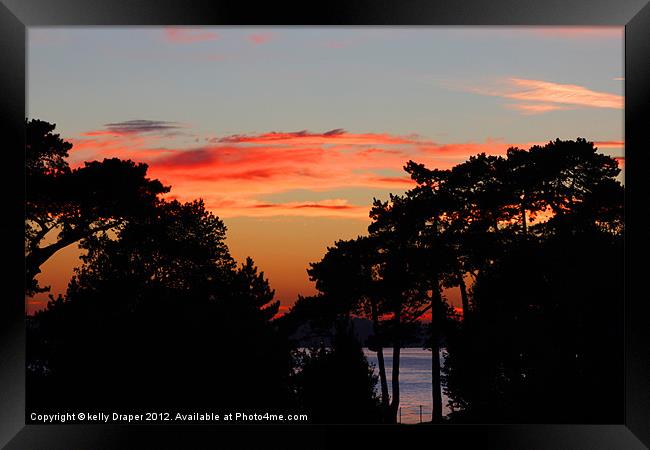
414, 382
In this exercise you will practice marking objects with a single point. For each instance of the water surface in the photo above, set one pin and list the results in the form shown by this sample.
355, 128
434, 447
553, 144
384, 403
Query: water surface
414, 382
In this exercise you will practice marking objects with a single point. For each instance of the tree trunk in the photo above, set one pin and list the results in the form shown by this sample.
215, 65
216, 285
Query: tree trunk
395, 369
463, 296
385, 399
436, 385
524, 226
436, 303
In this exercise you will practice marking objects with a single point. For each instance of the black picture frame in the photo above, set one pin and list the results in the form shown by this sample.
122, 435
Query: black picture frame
17, 15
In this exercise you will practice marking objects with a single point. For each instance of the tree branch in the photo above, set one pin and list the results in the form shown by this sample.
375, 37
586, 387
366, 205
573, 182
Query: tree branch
41, 234
39, 255
414, 318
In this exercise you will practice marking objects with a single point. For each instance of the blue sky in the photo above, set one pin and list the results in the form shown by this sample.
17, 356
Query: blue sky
397, 80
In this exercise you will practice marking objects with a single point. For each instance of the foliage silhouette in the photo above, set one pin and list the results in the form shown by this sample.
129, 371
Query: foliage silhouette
335, 384
500, 222
490, 204
160, 316
75, 203
545, 340
348, 279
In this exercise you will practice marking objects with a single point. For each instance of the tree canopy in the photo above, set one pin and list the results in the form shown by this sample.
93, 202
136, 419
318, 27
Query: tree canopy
518, 228
65, 205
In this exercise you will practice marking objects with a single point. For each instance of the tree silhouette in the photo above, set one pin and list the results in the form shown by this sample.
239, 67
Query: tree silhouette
348, 279
336, 384
75, 203
467, 220
404, 269
45, 152
160, 315
251, 288
543, 346
435, 226
529, 333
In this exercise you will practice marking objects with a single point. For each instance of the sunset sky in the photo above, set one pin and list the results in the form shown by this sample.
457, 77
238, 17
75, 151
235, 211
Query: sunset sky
289, 133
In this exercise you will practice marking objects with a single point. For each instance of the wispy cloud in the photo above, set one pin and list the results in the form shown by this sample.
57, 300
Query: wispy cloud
538, 96
535, 108
592, 32
330, 207
188, 35
336, 136
278, 136
136, 126
261, 38
609, 144
567, 94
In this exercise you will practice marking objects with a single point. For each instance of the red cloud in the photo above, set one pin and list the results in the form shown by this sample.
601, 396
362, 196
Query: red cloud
336, 136
260, 38
316, 205
609, 144
188, 158
334, 204
233, 173
578, 32
275, 136
404, 182
188, 36
324, 208
237, 157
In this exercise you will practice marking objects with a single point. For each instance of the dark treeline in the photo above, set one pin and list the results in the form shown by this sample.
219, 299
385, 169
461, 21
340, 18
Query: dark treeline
160, 315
